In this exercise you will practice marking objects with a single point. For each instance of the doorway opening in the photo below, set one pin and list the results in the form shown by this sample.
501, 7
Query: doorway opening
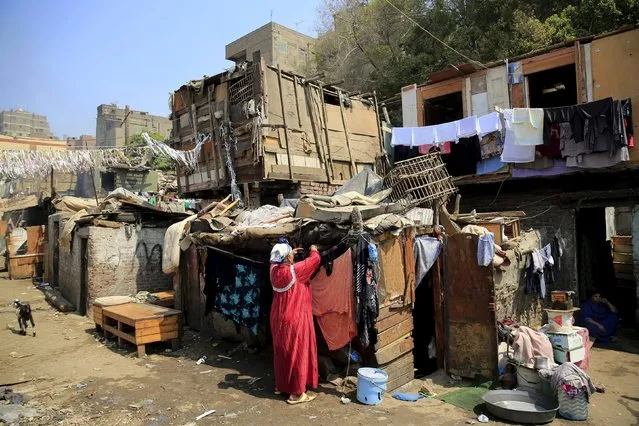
84, 274
604, 256
425, 351
553, 88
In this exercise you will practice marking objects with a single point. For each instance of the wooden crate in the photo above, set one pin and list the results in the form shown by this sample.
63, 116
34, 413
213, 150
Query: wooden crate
25, 266
142, 323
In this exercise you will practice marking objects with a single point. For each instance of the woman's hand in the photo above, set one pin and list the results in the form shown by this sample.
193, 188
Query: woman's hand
314, 248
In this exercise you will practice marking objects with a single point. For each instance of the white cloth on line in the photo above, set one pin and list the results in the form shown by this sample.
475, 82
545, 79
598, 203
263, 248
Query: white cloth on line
528, 126
402, 136
446, 132
466, 127
423, 135
488, 123
514, 153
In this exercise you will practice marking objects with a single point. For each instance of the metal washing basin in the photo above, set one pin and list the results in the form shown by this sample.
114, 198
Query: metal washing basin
521, 406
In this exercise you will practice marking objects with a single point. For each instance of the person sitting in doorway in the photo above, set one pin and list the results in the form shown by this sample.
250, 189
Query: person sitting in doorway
600, 317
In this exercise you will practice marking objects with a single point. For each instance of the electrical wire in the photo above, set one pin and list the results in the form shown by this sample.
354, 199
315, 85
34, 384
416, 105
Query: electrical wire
435, 37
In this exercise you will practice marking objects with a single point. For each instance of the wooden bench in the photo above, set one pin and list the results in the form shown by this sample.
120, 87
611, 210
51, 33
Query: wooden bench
142, 323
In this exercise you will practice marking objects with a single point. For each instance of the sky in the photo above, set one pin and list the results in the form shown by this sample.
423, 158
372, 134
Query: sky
63, 58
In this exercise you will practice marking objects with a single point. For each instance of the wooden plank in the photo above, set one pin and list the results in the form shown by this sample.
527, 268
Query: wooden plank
119, 333
288, 147
393, 320
161, 329
213, 141
409, 266
622, 248
554, 59
156, 322
389, 310
471, 337
622, 257
328, 143
158, 337
395, 365
390, 335
346, 133
395, 350
318, 141
400, 381
439, 312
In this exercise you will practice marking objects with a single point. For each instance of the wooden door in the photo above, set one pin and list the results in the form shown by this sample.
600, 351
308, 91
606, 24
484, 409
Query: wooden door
470, 326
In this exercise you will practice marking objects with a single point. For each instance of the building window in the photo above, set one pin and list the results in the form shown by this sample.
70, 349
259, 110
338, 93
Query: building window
283, 47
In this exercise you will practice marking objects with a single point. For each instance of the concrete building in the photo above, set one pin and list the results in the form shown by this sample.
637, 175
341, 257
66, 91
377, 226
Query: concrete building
277, 44
18, 122
115, 125
82, 142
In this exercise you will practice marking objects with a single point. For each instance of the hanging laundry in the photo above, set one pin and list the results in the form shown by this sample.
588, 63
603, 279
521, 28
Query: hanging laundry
528, 126
486, 249
367, 305
535, 282
402, 136
423, 135
554, 149
565, 114
446, 132
235, 284
333, 302
570, 148
489, 123
626, 110
467, 127
443, 149
492, 165
427, 251
515, 153
491, 145
597, 124
598, 160
464, 157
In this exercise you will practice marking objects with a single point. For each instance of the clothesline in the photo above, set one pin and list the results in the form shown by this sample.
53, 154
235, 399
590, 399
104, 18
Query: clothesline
592, 135
15, 164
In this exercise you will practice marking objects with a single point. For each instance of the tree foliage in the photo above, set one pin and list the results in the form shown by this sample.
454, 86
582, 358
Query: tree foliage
370, 45
159, 162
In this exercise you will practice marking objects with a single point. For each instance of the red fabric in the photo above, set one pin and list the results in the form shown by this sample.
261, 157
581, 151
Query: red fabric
294, 344
554, 149
445, 148
333, 302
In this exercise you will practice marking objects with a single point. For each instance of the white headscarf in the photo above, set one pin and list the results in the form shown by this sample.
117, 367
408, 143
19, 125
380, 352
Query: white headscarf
280, 252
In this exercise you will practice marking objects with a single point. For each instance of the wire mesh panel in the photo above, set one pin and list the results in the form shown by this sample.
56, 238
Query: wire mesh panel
422, 180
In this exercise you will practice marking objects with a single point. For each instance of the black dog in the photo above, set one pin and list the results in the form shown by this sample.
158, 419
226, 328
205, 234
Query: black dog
23, 312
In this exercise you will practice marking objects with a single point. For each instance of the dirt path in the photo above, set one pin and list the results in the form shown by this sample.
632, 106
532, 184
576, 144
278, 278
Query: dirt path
77, 380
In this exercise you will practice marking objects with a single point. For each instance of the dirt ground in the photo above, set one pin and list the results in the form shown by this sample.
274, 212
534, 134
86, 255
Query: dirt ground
75, 379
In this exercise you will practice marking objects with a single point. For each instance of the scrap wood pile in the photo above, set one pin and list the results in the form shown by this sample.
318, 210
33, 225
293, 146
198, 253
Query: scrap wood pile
358, 217
117, 209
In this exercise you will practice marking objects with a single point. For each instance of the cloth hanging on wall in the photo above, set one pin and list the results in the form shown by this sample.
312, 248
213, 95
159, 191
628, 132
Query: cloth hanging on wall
333, 301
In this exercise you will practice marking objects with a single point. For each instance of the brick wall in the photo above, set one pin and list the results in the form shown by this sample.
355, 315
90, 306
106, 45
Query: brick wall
125, 261
317, 188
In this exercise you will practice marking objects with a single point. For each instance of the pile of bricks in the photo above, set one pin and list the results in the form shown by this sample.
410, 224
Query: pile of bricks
317, 188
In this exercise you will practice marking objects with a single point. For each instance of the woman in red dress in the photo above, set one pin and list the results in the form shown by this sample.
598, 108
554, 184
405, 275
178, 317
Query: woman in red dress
294, 344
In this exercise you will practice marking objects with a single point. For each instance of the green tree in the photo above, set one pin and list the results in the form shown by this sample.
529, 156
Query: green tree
372, 46
159, 162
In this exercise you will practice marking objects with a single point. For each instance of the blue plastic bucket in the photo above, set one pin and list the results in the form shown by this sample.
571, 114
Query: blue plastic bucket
371, 385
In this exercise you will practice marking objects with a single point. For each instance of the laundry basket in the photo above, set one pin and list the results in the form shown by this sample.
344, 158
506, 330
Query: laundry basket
573, 408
